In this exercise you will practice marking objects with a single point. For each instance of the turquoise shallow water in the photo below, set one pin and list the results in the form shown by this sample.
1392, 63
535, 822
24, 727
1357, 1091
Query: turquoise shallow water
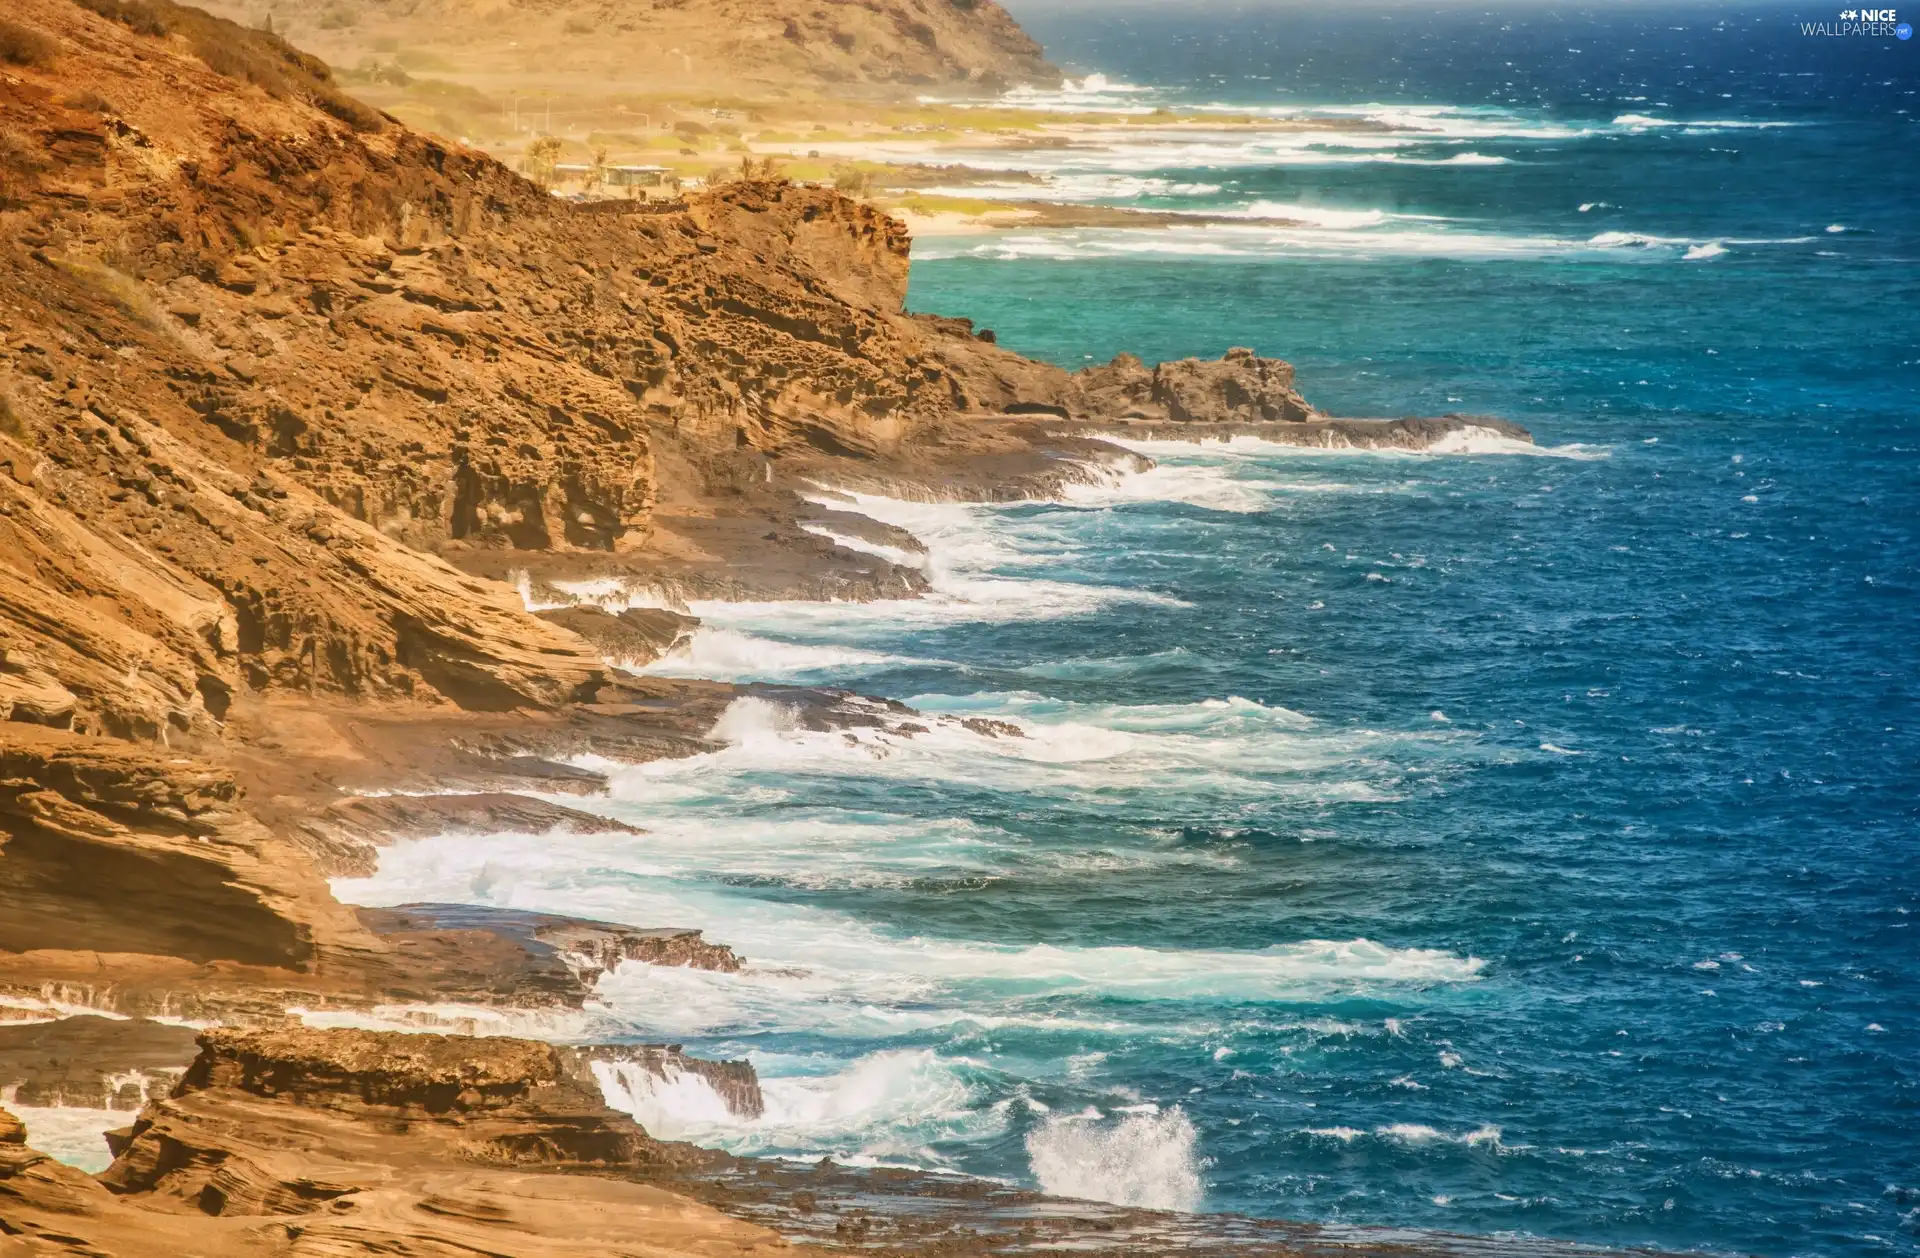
1492, 841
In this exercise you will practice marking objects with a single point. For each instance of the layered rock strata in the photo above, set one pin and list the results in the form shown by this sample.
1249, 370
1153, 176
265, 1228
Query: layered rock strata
300, 1142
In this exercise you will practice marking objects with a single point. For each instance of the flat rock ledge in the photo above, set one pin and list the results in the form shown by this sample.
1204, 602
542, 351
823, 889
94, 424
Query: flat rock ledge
345, 838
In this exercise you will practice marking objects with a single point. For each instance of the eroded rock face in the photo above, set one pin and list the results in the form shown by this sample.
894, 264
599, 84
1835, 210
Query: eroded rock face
487, 955
91, 1062
1240, 388
357, 1142
634, 636
108, 847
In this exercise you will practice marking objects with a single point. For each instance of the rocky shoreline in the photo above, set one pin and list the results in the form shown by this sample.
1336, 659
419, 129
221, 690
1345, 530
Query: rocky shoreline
299, 1141
332, 459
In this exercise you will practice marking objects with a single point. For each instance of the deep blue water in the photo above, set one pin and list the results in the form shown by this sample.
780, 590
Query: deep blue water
1488, 841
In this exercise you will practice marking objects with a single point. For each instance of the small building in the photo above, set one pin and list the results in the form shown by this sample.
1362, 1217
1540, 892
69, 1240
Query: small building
636, 176
612, 176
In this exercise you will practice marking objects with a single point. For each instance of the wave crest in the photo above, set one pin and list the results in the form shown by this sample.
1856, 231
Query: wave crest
1148, 1159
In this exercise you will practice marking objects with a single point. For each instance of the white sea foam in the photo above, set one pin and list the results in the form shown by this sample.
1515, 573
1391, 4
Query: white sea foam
1469, 439
885, 1107
1456, 122
1413, 1135
1138, 1159
829, 971
447, 1018
73, 1135
1064, 751
1712, 249
1210, 487
892, 554
1325, 232
966, 563
21, 1010
1076, 187
612, 594
1254, 240
730, 655
1317, 215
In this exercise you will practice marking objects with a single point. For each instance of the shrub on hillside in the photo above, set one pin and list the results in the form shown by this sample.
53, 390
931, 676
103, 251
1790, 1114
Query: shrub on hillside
24, 46
851, 180
257, 57
21, 161
132, 14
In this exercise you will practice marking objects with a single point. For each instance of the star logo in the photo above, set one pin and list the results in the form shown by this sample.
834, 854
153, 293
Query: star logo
1848, 15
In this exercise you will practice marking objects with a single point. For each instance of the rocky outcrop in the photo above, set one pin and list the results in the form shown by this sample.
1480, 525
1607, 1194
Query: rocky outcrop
1240, 388
734, 1082
109, 847
632, 636
485, 955
90, 1062
307, 1142
346, 838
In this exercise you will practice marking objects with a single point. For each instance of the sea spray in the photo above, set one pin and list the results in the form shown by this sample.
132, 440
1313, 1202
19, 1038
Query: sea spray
886, 1107
1138, 1159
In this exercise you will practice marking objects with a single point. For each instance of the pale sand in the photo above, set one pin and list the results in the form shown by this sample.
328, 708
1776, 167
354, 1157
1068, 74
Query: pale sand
954, 223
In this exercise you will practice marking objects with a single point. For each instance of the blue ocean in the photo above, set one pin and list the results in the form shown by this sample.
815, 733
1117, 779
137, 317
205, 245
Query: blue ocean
1506, 839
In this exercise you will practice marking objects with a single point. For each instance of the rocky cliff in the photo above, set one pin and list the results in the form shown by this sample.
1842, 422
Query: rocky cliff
297, 1142
293, 398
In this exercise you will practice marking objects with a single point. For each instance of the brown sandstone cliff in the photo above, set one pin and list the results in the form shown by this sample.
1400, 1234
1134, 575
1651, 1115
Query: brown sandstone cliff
344, 1142
289, 393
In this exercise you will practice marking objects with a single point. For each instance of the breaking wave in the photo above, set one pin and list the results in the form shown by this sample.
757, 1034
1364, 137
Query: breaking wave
1141, 1159
1466, 440
730, 655
70, 1134
1362, 236
884, 1108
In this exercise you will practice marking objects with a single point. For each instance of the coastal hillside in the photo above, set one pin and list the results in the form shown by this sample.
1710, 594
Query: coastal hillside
294, 397
754, 48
